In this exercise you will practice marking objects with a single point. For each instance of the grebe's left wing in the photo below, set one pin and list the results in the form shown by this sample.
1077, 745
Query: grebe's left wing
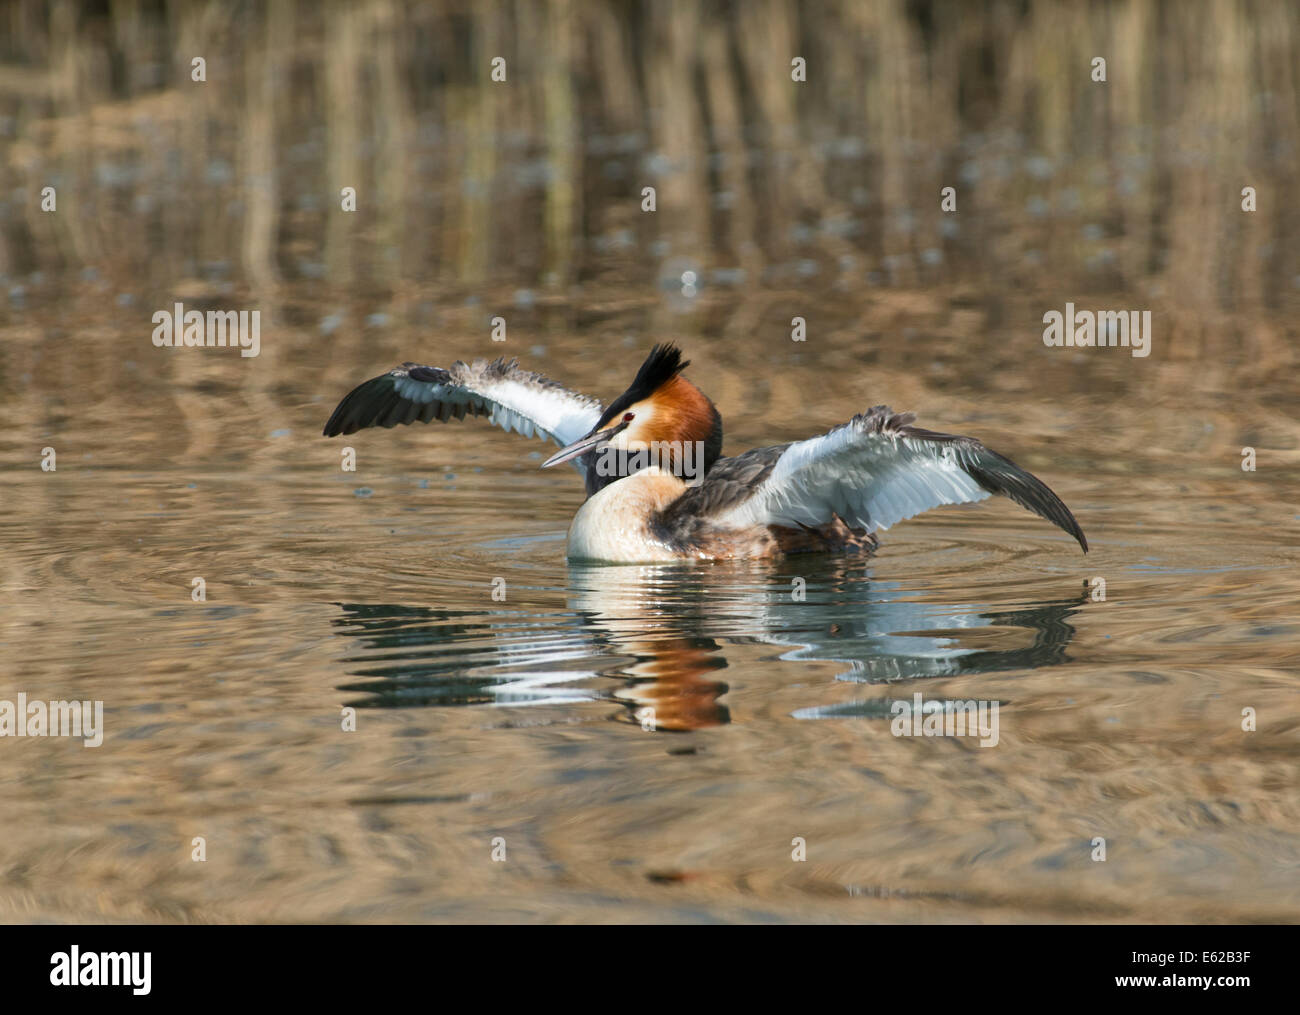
509, 397
873, 471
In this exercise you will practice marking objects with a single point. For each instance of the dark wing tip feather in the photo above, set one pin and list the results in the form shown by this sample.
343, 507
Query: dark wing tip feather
999, 474
377, 402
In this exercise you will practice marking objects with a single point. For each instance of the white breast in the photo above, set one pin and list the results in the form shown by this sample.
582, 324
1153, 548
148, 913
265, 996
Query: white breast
612, 525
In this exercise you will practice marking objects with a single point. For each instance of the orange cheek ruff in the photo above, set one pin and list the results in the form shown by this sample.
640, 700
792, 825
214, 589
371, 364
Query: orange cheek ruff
682, 413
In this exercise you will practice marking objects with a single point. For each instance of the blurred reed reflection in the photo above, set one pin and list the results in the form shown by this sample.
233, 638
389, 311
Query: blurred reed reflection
662, 633
232, 184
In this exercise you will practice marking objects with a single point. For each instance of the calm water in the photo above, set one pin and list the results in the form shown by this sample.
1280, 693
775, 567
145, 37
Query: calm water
481, 719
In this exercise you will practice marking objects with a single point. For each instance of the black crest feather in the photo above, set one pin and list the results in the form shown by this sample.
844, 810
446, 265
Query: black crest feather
661, 366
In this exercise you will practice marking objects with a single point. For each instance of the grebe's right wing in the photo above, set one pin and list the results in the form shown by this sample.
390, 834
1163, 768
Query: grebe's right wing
509, 397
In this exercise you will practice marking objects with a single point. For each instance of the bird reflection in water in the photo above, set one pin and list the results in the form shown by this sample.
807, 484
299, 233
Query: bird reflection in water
662, 632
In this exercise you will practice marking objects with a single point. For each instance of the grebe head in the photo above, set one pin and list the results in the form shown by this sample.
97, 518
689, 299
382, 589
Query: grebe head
661, 419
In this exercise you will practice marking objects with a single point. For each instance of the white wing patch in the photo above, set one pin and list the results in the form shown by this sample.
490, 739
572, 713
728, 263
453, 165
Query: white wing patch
871, 480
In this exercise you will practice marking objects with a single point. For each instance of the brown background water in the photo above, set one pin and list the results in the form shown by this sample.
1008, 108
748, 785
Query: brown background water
521, 199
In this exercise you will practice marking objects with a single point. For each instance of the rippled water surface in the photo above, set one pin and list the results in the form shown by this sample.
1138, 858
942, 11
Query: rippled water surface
499, 691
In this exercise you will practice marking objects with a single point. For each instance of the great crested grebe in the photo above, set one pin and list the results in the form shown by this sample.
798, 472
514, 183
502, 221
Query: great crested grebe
658, 487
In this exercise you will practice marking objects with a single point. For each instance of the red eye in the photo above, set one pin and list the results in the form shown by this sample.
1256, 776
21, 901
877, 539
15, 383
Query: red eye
628, 417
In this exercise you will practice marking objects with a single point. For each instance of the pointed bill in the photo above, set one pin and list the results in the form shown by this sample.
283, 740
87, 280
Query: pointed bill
580, 447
